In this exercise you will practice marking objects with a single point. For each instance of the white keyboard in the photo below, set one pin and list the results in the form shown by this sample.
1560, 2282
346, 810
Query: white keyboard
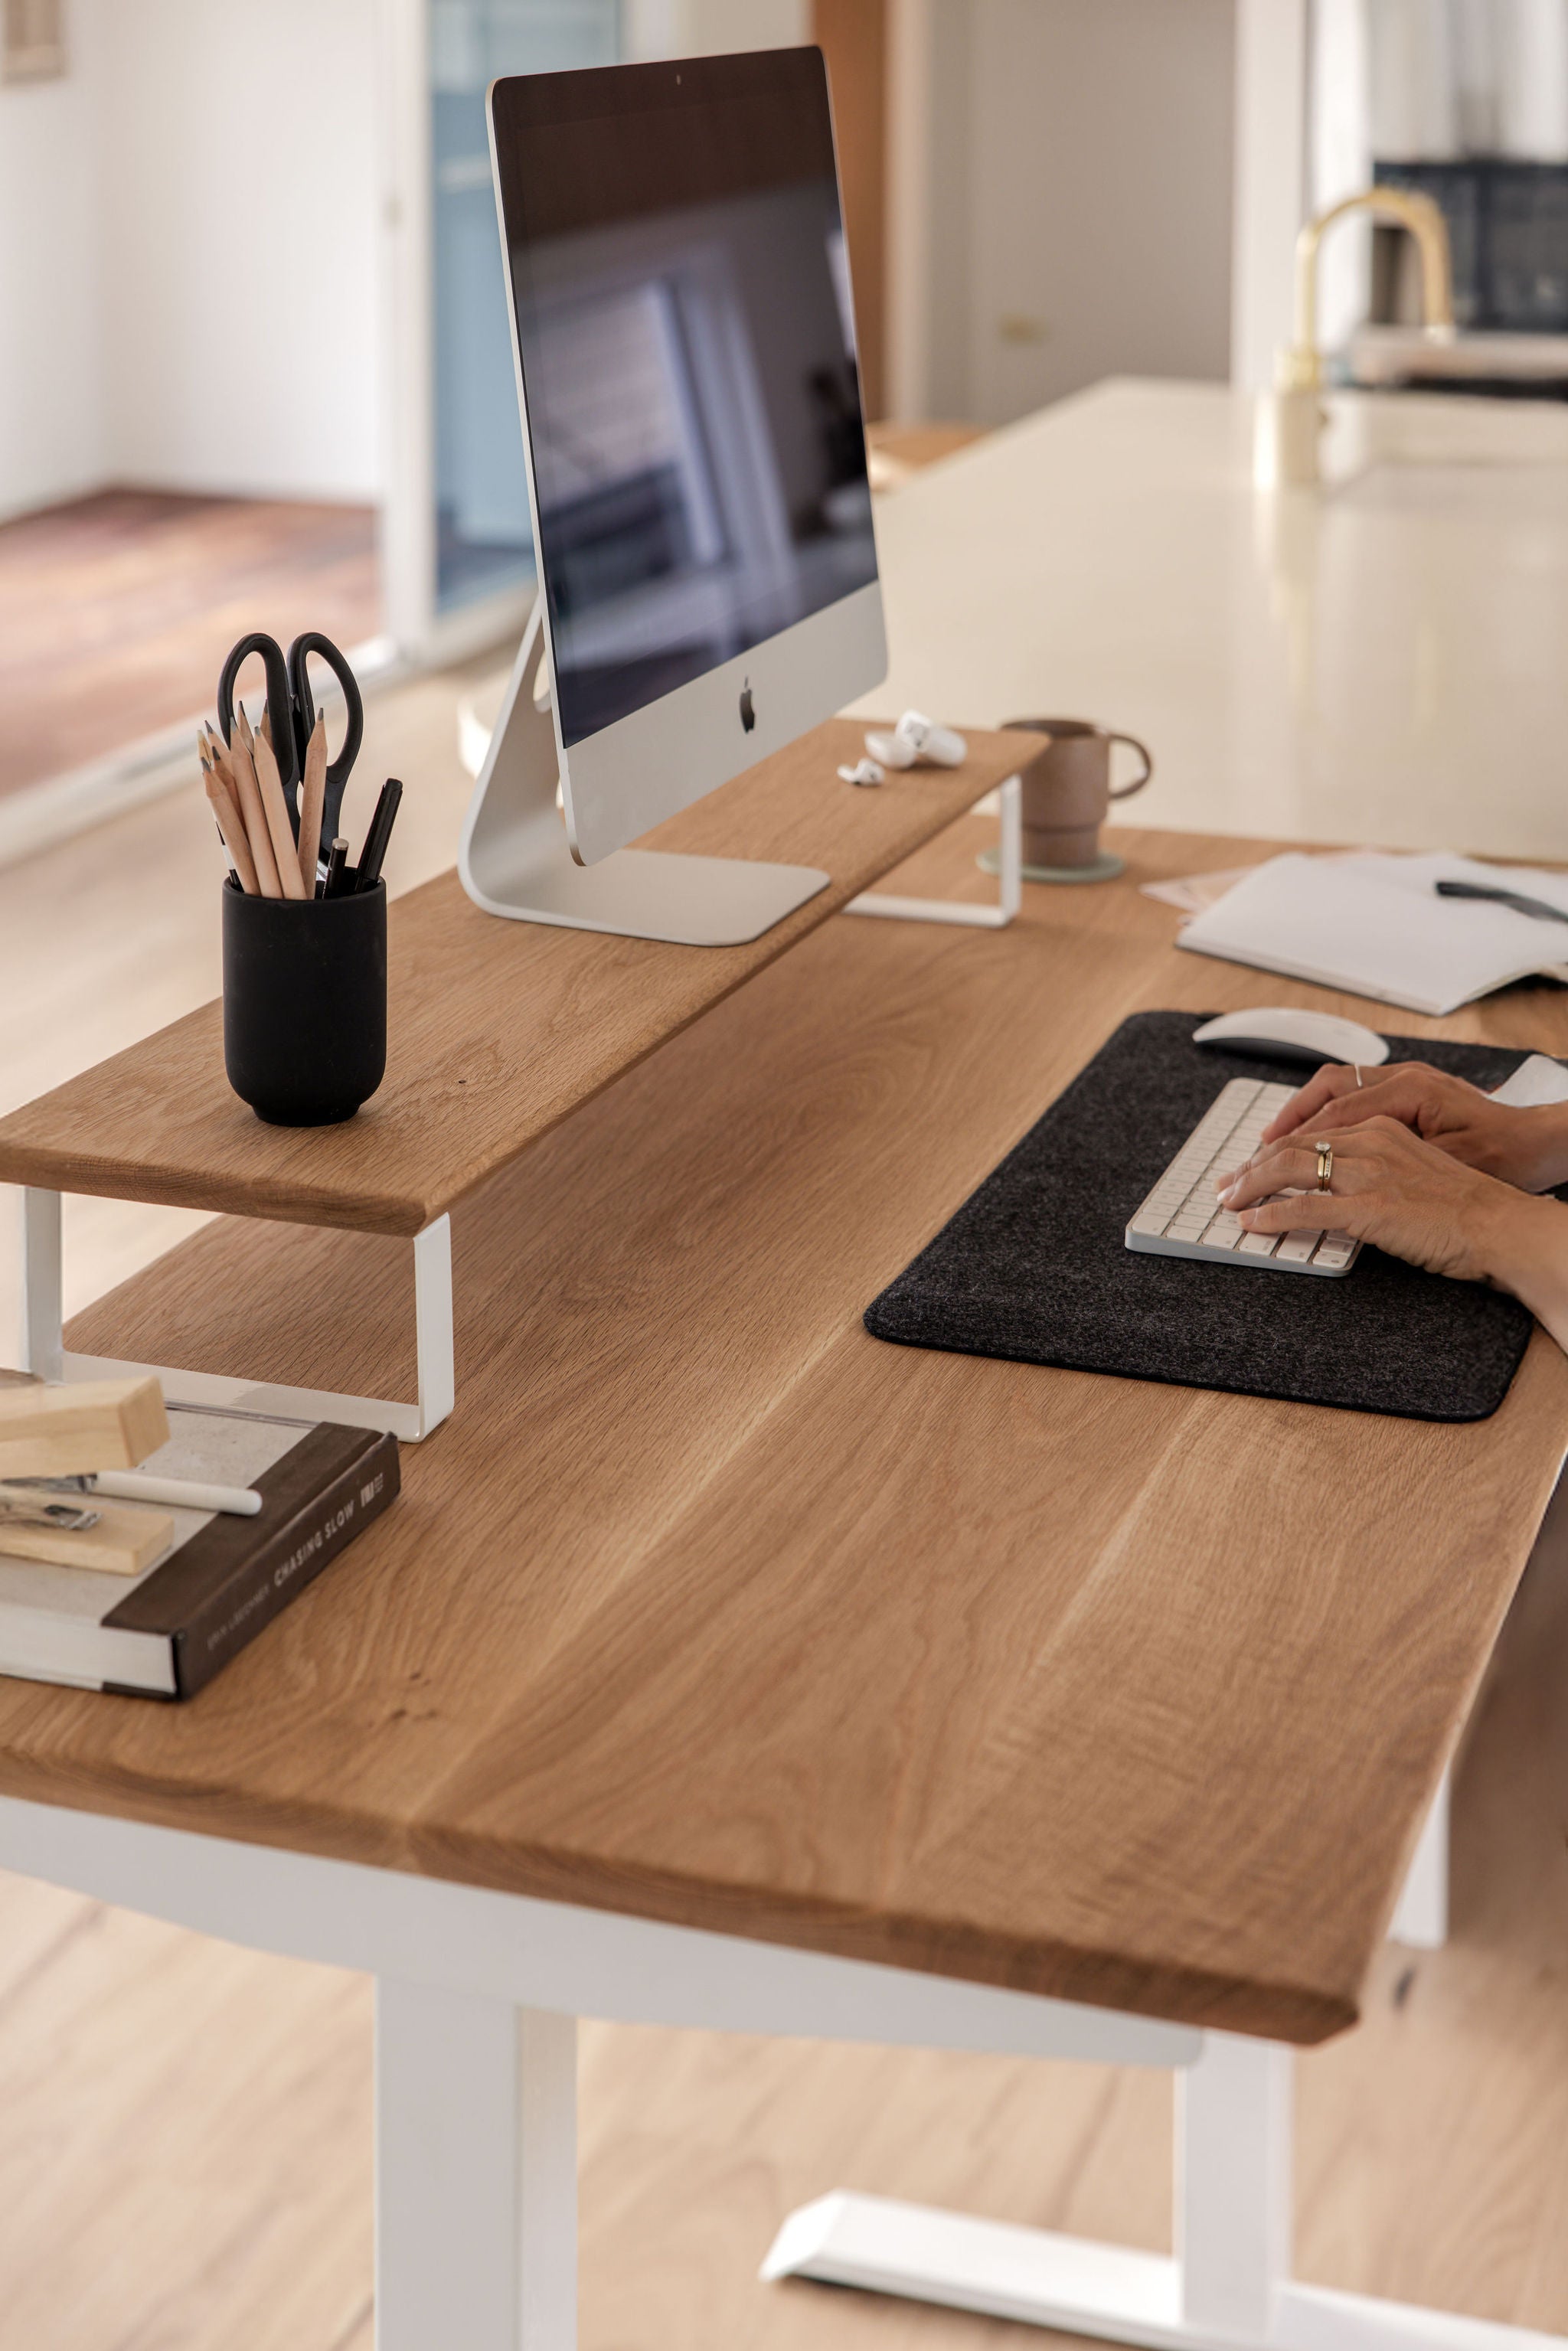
1182, 1216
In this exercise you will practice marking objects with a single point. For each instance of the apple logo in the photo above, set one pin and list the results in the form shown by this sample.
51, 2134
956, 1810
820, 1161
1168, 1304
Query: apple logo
748, 707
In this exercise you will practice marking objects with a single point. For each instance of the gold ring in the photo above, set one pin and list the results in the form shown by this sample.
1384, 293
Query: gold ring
1325, 1165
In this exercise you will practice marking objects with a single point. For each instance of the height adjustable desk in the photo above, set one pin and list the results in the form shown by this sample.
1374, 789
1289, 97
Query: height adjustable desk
722, 1668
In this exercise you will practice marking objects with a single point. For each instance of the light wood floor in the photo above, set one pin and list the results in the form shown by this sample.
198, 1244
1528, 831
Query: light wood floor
116, 611
184, 2127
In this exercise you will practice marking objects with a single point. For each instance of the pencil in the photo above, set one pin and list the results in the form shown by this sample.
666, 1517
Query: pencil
230, 824
233, 839
312, 798
276, 810
247, 792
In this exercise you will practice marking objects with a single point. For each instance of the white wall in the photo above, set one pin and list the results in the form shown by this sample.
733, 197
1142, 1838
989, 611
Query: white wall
51, 377
1078, 164
1101, 144
239, 244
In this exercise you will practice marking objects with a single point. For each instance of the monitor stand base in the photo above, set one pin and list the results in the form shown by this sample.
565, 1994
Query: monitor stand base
514, 860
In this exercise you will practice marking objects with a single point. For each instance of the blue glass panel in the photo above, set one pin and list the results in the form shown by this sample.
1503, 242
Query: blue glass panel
482, 536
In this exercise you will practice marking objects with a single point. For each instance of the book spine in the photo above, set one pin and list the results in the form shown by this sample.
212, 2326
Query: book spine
294, 1558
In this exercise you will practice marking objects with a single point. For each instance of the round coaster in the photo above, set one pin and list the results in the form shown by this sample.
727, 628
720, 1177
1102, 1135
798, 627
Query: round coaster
1105, 868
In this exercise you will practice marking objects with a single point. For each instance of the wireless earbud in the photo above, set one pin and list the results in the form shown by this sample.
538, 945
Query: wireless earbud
891, 750
865, 771
916, 736
929, 741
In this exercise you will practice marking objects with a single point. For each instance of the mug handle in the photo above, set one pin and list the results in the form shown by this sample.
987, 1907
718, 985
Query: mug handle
1143, 753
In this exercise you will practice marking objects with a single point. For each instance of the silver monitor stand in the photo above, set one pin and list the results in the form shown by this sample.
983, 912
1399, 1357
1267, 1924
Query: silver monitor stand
515, 861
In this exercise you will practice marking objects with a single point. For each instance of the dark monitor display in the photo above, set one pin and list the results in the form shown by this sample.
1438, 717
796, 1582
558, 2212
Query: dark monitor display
686, 340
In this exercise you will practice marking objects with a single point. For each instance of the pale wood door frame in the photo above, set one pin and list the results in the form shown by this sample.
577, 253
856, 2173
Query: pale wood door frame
853, 36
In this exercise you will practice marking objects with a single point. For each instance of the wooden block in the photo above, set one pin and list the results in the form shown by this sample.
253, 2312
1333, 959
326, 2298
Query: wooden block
125, 1541
61, 1431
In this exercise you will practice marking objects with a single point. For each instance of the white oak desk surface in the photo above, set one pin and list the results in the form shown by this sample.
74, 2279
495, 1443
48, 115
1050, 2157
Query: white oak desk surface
706, 1606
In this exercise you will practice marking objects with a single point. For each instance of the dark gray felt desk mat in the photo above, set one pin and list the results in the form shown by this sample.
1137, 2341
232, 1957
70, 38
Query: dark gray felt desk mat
1034, 1267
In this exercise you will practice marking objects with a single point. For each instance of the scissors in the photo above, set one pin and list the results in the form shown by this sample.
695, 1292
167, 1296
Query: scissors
293, 709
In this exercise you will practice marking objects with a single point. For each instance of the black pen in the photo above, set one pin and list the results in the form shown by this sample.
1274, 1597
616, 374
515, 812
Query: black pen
1500, 897
380, 833
332, 887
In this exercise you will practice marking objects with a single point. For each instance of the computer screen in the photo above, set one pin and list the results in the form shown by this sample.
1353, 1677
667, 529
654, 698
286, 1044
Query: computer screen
686, 346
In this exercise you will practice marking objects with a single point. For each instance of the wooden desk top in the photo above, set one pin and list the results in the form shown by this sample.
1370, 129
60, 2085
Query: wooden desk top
706, 1606
495, 1029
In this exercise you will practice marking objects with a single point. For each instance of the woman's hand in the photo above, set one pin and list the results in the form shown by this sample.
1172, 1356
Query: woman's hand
1527, 1147
1387, 1186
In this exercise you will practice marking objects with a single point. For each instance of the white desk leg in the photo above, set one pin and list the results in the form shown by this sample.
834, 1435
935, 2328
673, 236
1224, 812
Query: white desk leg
475, 2173
1233, 2166
1421, 1919
1227, 2288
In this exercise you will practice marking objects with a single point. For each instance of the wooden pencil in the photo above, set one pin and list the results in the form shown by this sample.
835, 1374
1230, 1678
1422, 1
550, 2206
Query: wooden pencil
275, 808
249, 793
312, 798
231, 827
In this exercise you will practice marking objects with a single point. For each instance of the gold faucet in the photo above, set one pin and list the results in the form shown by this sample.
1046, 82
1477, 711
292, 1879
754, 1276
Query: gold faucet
1288, 451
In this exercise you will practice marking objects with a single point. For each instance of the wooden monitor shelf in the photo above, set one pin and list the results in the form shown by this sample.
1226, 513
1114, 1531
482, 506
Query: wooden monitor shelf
497, 1032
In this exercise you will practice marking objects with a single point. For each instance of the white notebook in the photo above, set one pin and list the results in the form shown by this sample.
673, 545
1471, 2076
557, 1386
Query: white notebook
1373, 925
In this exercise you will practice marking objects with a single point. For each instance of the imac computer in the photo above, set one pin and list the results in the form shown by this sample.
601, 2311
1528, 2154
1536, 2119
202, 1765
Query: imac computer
685, 342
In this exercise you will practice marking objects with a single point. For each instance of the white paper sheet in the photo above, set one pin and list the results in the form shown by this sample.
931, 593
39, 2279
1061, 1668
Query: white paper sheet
1373, 926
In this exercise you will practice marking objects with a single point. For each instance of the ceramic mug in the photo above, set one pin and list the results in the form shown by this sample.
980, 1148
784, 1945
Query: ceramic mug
1067, 789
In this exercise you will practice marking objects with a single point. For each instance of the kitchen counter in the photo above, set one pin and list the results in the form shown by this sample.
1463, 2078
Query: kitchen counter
1384, 659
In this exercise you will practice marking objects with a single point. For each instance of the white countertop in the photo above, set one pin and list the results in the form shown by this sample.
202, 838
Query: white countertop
1384, 661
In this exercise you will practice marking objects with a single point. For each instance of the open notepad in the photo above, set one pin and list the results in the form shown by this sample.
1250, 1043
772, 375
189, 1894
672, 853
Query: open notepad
1373, 926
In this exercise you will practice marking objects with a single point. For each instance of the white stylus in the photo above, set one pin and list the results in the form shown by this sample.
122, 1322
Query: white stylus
176, 1493
138, 1486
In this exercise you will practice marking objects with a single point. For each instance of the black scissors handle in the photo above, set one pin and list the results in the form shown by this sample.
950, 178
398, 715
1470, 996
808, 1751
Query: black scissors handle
338, 769
279, 703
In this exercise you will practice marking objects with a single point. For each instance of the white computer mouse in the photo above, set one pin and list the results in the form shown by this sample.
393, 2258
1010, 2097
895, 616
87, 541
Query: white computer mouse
1281, 1032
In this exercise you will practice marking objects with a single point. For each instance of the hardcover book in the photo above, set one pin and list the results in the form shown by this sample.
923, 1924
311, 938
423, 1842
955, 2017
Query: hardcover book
222, 1578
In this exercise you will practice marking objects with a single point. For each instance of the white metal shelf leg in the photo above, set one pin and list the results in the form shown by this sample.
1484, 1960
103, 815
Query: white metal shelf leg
1233, 2165
475, 2173
1421, 1918
1009, 882
433, 1322
42, 1348
43, 1319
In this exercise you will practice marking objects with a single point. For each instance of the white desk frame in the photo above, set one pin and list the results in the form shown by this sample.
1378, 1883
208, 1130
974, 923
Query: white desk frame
477, 1995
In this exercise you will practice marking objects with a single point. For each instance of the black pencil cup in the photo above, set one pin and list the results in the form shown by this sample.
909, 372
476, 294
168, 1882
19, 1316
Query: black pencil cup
305, 1003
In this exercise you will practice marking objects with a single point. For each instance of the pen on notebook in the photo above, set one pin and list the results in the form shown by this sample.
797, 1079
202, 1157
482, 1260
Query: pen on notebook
1497, 896
380, 833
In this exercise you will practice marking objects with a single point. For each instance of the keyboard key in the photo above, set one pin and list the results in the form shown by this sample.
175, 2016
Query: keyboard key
1335, 1252
1152, 1223
1257, 1243
1223, 1233
1296, 1249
